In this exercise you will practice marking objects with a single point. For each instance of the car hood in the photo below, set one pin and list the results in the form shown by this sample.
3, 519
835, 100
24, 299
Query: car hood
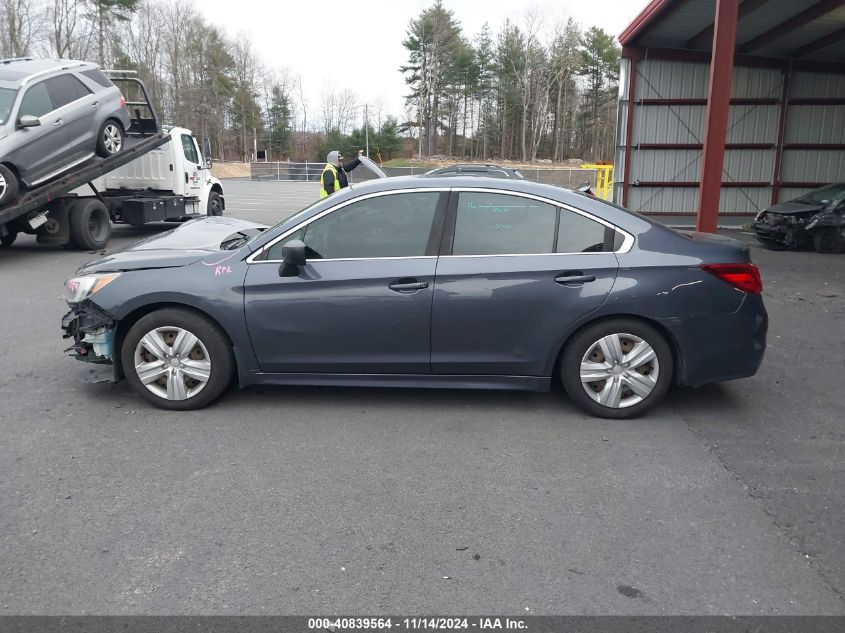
181, 246
791, 208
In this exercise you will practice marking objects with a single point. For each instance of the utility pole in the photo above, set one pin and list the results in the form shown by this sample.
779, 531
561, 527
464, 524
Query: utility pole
367, 129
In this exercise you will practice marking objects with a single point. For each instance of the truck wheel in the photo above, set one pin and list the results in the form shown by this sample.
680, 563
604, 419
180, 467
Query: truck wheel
8, 186
90, 225
8, 239
110, 139
829, 241
215, 204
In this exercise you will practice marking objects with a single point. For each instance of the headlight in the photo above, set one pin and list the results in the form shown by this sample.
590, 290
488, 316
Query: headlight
79, 288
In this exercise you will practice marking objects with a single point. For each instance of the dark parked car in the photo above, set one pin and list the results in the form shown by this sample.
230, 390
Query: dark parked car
815, 220
426, 282
54, 115
475, 169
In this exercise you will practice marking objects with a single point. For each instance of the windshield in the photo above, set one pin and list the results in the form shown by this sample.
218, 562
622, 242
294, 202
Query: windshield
825, 195
7, 100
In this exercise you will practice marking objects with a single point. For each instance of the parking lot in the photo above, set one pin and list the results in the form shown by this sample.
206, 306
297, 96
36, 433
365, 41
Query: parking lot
727, 499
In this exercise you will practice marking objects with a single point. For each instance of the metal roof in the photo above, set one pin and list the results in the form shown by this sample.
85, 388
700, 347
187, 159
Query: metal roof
811, 30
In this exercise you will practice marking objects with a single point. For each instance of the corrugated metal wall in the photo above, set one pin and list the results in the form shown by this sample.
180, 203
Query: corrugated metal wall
658, 122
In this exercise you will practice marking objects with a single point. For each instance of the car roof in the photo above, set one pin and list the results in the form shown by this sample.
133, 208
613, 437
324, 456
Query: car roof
18, 70
434, 181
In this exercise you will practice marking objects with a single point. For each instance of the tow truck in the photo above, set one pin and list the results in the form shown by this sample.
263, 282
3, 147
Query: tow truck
160, 176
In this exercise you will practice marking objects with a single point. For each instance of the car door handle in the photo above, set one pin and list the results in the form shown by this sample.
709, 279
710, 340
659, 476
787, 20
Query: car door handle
573, 278
57, 122
407, 285
95, 105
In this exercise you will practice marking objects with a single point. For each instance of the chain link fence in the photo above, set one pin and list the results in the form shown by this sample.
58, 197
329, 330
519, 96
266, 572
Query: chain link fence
569, 177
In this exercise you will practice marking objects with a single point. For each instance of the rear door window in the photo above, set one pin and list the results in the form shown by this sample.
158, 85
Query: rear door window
66, 89
36, 101
502, 224
579, 234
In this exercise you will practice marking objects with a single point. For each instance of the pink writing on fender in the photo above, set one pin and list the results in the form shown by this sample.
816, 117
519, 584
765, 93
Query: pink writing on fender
222, 270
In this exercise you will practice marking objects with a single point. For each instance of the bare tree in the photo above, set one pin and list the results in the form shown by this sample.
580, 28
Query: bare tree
20, 21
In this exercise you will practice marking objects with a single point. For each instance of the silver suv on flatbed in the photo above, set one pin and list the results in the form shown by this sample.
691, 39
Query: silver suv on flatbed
54, 114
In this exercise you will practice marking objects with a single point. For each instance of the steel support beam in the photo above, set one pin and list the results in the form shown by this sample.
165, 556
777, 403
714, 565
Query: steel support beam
783, 29
784, 104
820, 44
629, 130
716, 120
705, 36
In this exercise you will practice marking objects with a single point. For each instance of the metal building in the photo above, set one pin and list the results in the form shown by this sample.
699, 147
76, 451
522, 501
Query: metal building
727, 107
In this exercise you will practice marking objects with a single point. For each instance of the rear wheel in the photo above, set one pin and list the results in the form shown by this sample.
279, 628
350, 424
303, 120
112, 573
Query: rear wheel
8, 186
110, 139
177, 359
618, 368
829, 241
90, 225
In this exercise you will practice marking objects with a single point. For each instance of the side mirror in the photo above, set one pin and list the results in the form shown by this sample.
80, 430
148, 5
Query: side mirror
27, 120
293, 256
208, 163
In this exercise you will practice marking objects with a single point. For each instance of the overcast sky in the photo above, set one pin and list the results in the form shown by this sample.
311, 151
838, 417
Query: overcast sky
358, 44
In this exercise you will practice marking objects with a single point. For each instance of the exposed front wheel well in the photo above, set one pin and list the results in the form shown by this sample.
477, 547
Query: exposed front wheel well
673, 344
126, 323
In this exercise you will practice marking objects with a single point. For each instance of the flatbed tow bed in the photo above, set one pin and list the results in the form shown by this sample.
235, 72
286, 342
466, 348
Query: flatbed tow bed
151, 180
35, 202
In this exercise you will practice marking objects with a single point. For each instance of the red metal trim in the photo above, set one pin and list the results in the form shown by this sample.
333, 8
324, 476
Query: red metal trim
705, 35
749, 61
728, 146
833, 146
784, 104
795, 22
818, 102
716, 119
629, 131
821, 43
802, 185
703, 102
644, 19
693, 184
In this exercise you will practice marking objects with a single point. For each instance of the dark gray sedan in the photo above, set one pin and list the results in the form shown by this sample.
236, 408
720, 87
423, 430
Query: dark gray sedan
426, 282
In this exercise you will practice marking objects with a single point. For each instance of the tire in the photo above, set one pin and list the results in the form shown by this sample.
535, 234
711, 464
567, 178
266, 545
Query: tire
828, 241
7, 240
215, 204
111, 139
9, 186
590, 344
90, 225
211, 356
771, 245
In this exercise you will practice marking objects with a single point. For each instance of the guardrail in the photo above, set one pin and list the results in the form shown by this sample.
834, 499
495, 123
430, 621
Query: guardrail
600, 177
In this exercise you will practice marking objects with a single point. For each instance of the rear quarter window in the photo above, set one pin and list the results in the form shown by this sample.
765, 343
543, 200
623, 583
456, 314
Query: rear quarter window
99, 77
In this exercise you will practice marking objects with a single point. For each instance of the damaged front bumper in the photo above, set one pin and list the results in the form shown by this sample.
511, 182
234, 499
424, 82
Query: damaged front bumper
92, 331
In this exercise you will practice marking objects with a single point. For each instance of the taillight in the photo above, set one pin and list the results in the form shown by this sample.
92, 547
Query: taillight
746, 277
122, 101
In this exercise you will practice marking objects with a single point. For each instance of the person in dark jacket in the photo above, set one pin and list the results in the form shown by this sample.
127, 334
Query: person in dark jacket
334, 176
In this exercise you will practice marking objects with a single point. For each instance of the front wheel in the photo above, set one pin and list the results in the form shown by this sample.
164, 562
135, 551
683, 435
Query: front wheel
829, 241
618, 368
177, 359
215, 204
110, 140
8, 186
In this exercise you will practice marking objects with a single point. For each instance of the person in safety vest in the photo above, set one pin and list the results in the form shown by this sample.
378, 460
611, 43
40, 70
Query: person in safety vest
334, 173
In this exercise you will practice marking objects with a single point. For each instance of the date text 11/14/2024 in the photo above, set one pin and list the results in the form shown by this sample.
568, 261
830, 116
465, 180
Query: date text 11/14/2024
338, 624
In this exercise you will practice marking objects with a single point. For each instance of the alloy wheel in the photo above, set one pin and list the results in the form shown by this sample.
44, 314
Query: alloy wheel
619, 370
172, 363
3, 186
112, 138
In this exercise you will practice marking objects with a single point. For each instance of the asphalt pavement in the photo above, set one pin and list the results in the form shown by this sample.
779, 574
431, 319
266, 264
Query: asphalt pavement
726, 499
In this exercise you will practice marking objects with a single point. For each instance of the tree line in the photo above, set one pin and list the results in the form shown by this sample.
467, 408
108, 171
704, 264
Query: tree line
524, 93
